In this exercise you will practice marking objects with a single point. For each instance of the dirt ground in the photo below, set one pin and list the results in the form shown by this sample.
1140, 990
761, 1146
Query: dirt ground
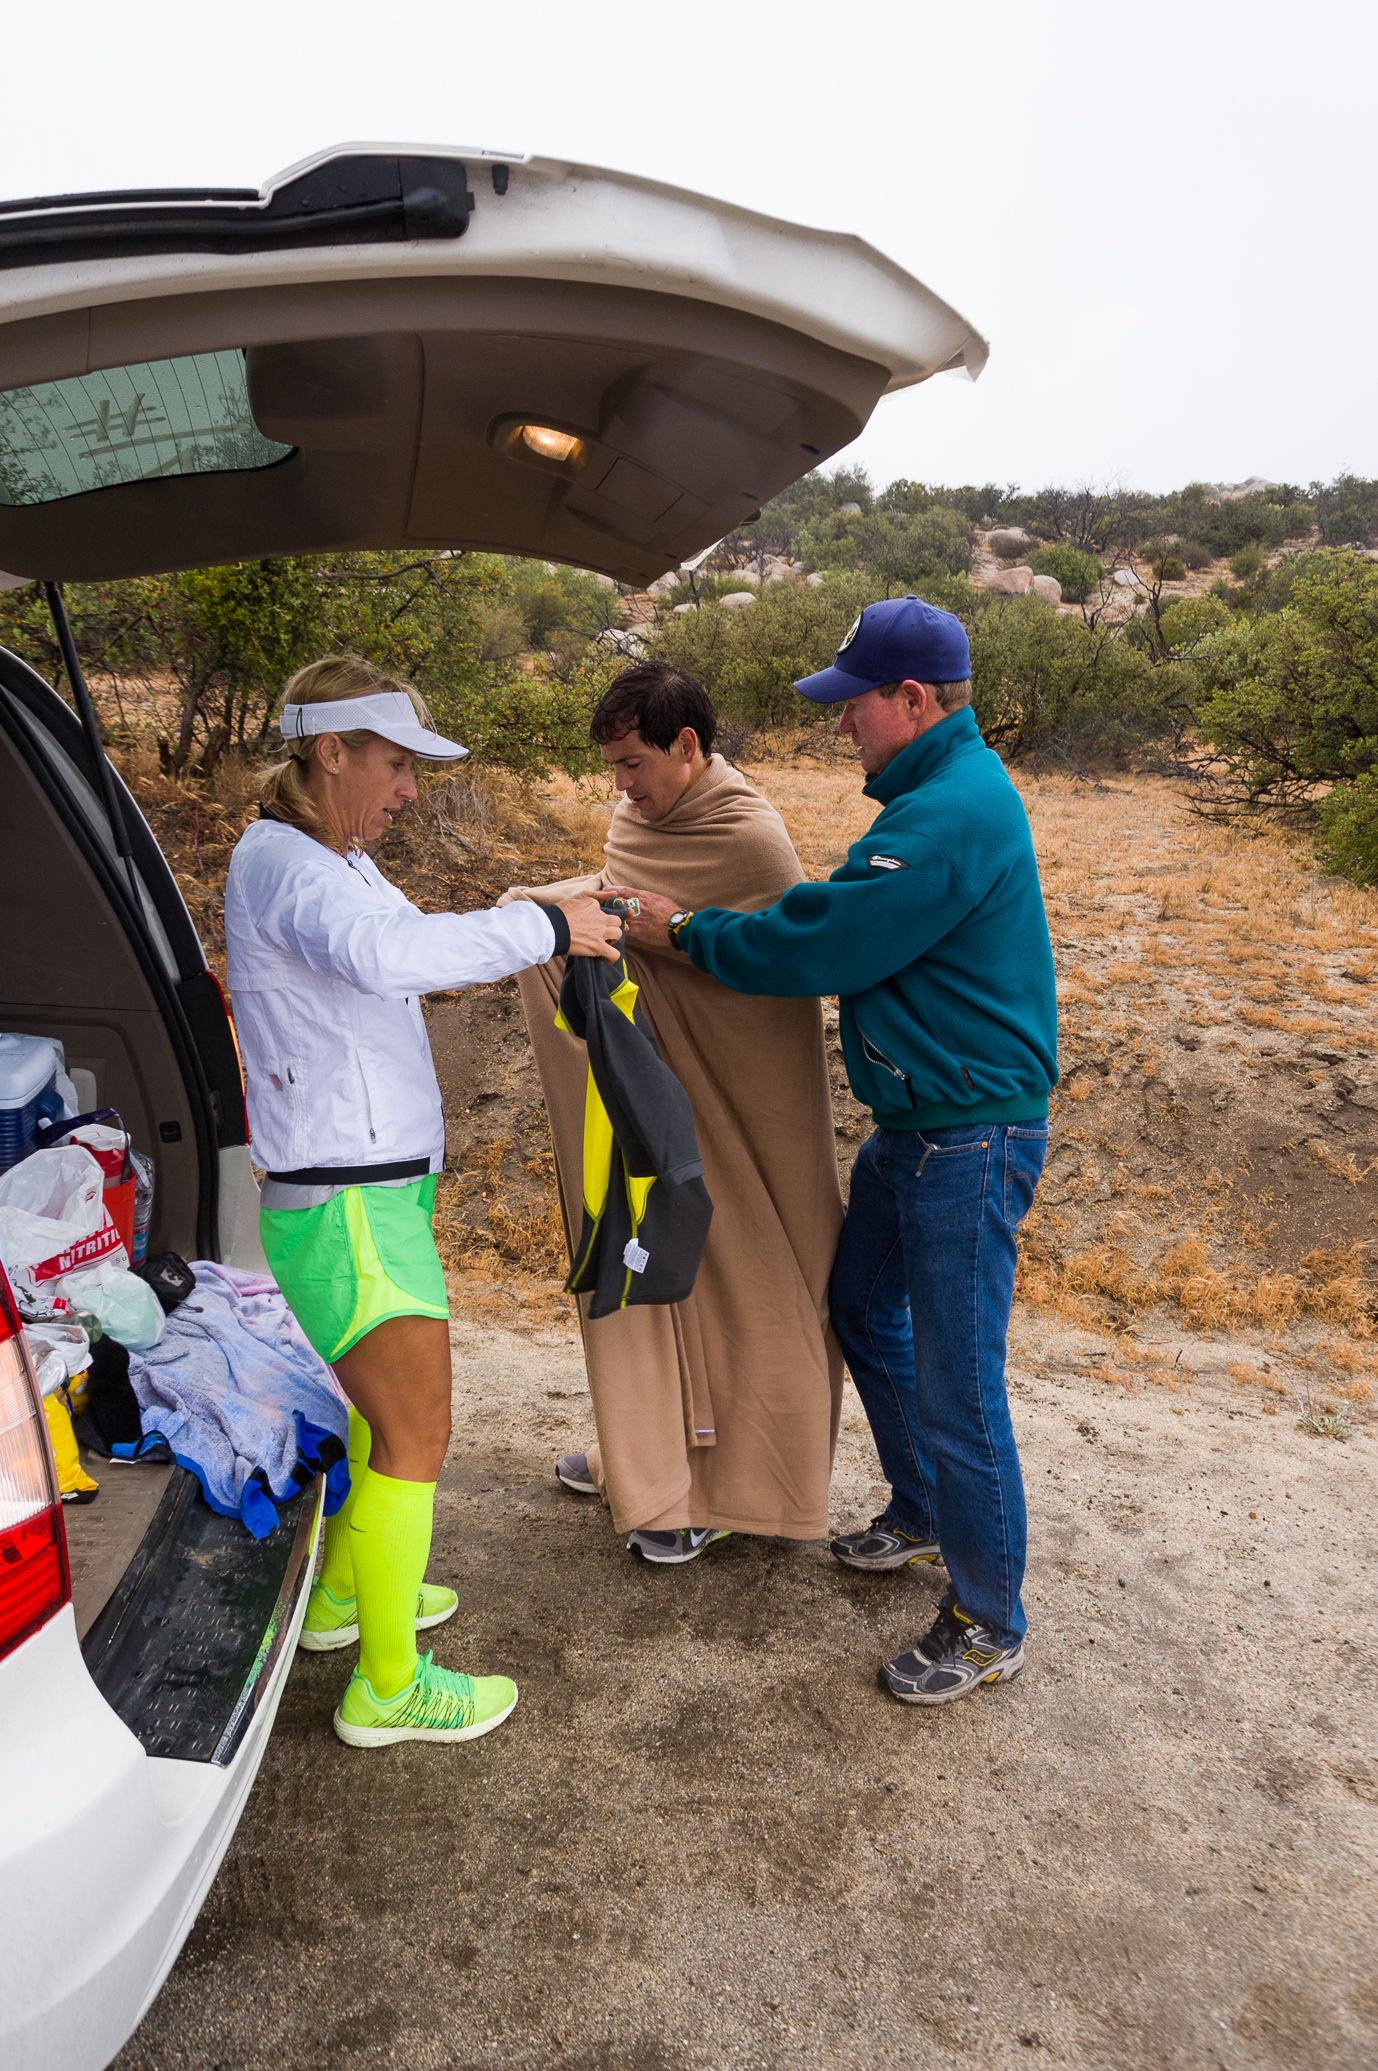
707, 1838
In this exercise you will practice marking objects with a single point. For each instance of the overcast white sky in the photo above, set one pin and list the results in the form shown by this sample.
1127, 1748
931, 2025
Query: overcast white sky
1160, 217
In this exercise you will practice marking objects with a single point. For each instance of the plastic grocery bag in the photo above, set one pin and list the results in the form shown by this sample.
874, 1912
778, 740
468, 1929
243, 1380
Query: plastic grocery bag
53, 1218
62, 1334
124, 1306
62, 1251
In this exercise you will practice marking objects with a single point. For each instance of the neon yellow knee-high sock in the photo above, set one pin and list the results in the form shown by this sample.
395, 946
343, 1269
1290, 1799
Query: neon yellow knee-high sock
389, 1544
337, 1570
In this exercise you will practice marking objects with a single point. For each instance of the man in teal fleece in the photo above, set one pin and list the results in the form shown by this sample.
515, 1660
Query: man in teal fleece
934, 938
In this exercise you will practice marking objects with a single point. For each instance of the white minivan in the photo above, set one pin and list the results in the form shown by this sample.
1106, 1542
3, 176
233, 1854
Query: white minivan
410, 348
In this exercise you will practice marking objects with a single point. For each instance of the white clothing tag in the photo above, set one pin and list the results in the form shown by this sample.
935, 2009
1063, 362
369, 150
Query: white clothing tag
635, 1257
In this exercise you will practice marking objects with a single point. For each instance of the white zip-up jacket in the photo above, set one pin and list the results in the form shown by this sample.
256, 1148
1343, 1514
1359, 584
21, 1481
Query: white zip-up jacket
327, 961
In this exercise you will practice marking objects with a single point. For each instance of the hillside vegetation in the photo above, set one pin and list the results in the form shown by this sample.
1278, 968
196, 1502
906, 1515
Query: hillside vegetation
1229, 638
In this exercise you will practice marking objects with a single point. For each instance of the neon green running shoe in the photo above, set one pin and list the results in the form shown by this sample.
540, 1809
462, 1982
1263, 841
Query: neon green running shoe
438, 1704
333, 1621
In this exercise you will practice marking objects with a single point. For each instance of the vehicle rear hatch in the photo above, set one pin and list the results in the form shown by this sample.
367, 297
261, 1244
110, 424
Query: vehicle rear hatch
358, 356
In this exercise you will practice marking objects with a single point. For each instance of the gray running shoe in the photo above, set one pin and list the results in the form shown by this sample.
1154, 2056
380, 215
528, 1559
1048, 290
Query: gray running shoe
672, 1549
573, 1470
955, 1655
883, 1545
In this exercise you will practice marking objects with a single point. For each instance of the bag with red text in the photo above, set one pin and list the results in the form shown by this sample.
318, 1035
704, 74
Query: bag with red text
62, 1251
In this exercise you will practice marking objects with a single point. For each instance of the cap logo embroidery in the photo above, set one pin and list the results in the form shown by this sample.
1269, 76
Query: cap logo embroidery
853, 629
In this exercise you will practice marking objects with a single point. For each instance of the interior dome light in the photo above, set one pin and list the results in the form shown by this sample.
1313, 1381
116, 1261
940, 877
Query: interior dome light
550, 444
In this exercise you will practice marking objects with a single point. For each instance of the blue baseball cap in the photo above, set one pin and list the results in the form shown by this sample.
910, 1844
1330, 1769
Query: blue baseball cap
902, 640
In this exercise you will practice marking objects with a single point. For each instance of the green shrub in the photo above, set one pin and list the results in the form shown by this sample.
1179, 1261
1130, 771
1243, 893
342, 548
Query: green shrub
1345, 527
531, 725
1243, 521
1169, 569
1289, 699
1347, 510
894, 550
1077, 572
1192, 554
1247, 562
748, 661
908, 497
1298, 519
813, 499
1348, 837
1186, 623
554, 600
1039, 678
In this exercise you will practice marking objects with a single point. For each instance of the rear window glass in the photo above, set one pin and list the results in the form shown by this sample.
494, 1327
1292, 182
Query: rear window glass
129, 424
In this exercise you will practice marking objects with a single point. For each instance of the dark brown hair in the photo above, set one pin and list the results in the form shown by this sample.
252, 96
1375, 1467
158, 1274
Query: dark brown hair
658, 701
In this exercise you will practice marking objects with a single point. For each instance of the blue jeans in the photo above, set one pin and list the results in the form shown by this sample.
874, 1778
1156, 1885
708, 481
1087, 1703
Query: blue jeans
930, 1236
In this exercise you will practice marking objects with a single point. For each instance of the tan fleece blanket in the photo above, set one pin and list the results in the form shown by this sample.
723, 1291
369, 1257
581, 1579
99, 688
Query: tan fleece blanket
721, 1410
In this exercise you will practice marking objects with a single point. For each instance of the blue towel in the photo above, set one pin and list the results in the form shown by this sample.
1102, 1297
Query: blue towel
242, 1399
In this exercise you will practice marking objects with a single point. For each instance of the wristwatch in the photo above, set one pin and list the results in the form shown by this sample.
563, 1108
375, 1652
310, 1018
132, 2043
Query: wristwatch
674, 924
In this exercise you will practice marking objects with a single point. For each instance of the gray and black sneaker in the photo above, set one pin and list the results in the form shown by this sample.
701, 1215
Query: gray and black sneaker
672, 1549
954, 1655
883, 1545
573, 1470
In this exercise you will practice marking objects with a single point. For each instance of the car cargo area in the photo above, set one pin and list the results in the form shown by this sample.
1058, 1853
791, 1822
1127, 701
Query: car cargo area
177, 1608
70, 971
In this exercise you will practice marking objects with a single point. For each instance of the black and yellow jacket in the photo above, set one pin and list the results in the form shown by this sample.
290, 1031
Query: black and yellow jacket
646, 1208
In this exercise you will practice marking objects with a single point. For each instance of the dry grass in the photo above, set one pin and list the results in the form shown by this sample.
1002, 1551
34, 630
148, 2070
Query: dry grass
197, 823
1330, 1287
490, 817
1237, 917
1160, 922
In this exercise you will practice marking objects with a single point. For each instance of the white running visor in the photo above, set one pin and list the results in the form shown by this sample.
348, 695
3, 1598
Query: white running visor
390, 713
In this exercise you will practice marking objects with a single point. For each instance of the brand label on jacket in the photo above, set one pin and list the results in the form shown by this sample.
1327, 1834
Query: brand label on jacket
888, 863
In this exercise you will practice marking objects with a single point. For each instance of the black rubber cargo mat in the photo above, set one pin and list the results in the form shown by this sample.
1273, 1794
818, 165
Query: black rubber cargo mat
183, 1648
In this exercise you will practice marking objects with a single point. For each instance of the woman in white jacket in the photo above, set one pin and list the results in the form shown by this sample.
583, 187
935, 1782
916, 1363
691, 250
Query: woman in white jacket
327, 962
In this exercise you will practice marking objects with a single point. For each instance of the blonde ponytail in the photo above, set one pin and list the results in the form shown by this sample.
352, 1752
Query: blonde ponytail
283, 788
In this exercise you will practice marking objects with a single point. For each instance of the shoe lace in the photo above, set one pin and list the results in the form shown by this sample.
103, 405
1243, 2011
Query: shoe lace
439, 1694
946, 1635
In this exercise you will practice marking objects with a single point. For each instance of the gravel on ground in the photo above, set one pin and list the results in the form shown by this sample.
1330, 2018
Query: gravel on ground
707, 1838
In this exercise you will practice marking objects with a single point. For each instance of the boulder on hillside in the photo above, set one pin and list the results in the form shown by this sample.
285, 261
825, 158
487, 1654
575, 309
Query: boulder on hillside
1231, 492
684, 607
1013, 582
1045, 586
813, 582
1126, 579
623, 640
1008, 542
737, 600
849, 510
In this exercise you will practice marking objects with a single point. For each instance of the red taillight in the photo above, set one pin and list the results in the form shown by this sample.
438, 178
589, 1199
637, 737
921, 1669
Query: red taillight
34, 1581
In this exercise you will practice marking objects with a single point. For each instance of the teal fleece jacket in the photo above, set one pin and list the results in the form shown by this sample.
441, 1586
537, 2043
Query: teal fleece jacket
933, 936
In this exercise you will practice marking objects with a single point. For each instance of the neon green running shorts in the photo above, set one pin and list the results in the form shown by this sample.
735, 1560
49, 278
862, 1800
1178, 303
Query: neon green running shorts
360, 1258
